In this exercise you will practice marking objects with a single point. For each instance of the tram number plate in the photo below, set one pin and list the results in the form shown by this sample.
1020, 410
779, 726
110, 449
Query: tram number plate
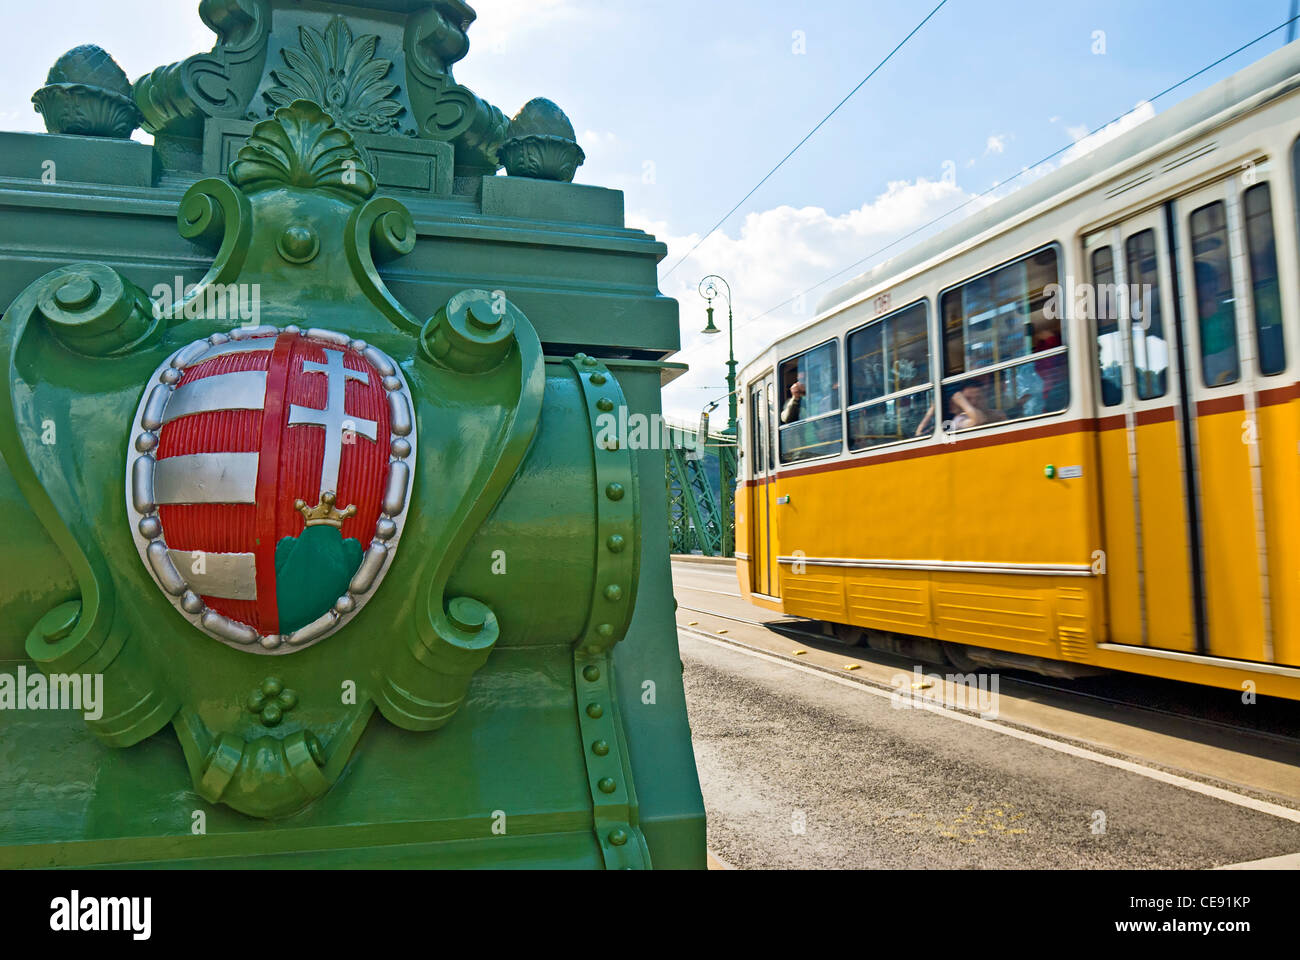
882, 303
1070, 473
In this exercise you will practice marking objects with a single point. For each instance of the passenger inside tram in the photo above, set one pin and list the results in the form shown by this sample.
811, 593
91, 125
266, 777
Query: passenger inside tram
971, 406
810, 425
797, 390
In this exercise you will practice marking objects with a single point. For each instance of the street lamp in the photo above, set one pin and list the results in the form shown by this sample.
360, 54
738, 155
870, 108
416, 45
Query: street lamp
709, 288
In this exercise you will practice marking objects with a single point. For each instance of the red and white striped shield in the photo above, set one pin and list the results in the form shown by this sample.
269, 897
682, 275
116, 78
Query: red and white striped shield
268, 480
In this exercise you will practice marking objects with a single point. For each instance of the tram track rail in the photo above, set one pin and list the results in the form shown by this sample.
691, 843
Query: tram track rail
793, 629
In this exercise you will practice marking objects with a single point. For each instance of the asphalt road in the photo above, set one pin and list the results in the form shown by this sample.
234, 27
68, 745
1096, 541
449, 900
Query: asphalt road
804, 764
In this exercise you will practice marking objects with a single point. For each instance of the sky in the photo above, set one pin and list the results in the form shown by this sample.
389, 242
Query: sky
686, 104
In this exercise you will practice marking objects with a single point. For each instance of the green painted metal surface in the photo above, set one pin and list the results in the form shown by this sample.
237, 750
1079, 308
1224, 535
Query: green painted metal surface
486, 674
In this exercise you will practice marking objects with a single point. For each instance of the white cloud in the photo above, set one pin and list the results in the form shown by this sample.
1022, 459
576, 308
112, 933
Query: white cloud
997, 143
777, 254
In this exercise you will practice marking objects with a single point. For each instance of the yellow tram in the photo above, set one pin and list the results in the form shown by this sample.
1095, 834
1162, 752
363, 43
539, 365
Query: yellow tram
1063, 435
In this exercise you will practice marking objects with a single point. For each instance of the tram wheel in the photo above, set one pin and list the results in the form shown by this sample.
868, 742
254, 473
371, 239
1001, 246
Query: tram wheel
848, 636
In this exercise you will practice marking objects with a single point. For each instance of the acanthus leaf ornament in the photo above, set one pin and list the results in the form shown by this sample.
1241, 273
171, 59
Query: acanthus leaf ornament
342, 74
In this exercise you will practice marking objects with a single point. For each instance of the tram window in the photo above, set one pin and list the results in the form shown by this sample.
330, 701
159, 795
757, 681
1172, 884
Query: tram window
999, 316
1215, 304
1150, 349
889, 378
1110, 345
992, 321
1263, 279
810, 398
1028, 389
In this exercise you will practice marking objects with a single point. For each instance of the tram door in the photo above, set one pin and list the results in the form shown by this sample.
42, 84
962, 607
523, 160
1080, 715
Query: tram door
1184, 485
762, 567
1225, 245
1147, 513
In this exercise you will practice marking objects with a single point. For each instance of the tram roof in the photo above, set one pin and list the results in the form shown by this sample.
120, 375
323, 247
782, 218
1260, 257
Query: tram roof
1261, 76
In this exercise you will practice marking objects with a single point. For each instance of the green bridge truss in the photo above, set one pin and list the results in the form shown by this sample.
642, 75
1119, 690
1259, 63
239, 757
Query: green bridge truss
701, 481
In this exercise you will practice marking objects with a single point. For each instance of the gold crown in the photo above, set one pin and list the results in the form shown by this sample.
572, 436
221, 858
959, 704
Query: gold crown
324, 511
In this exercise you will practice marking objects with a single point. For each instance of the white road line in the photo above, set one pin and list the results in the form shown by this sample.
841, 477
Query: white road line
1290, 861
711, 613
1218, 793
721, 593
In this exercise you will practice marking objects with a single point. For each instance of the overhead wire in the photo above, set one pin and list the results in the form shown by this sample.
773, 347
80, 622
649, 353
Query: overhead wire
1002, 183
809, 136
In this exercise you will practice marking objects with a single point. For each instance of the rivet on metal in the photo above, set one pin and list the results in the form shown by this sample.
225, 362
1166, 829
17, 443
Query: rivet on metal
613, 592
600, 748
617, 837
607, 785
605, 630
614, 491
595, 711
599, 378
591, 673
615, 544
604, 404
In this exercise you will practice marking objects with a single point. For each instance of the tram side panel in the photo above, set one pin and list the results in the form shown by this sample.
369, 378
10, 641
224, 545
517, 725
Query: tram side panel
970, 542
1279, 439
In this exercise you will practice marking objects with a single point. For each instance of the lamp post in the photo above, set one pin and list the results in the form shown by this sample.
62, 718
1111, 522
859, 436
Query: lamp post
710, 287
